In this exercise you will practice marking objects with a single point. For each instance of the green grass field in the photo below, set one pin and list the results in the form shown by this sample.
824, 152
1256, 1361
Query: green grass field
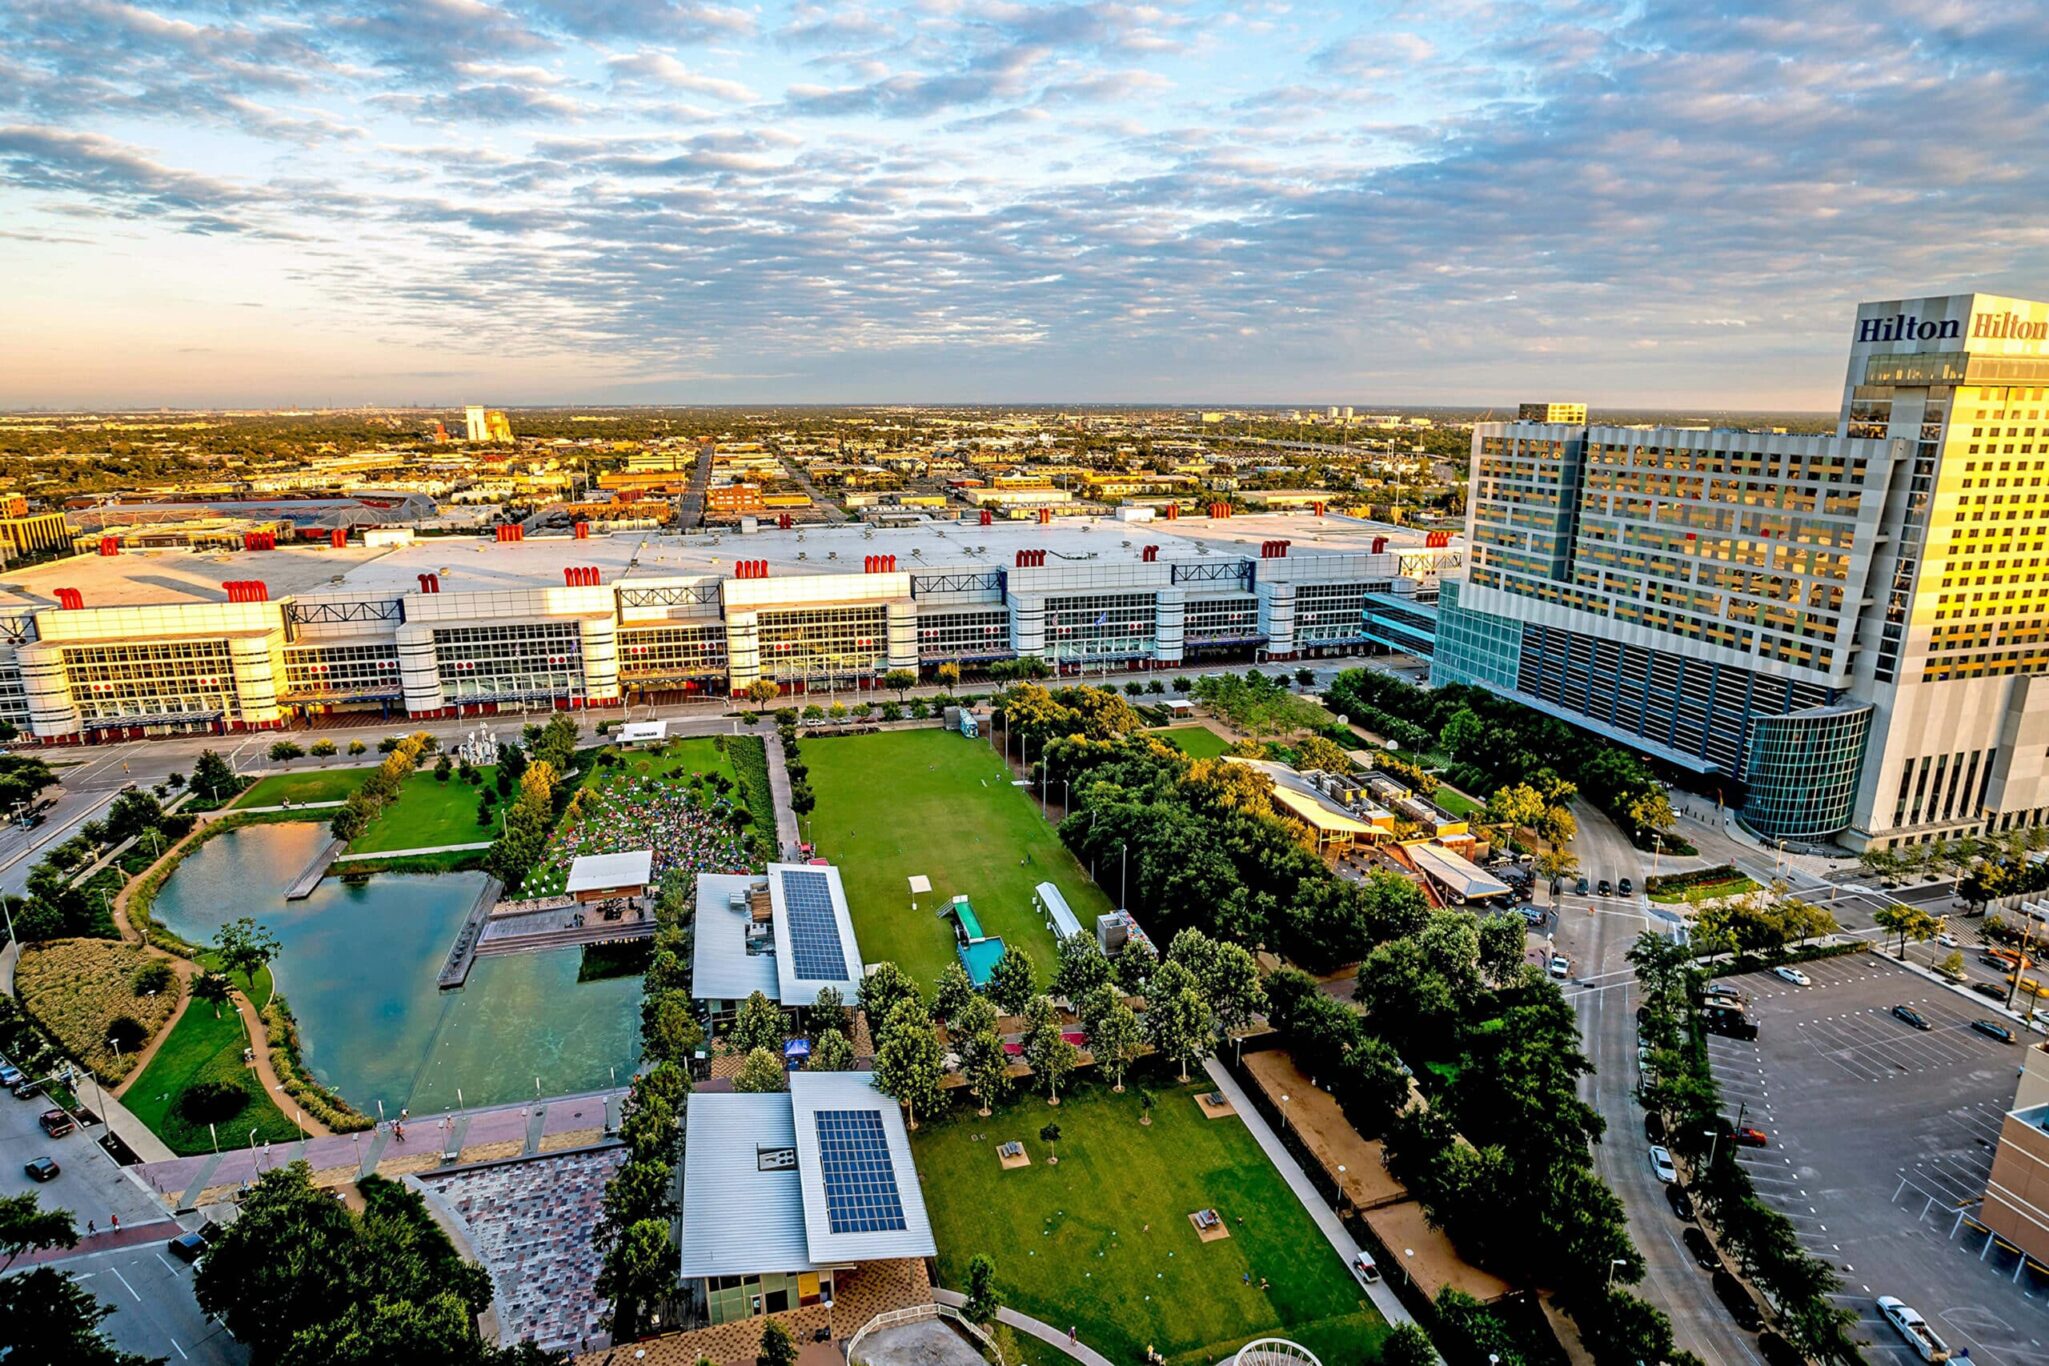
929, 801
429, 813
202, 1048
1739, 885
1458, 803
1197, 742
312, 785
1102, 1241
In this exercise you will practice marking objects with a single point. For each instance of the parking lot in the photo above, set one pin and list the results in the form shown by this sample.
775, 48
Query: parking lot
154, 1312
1881, 1137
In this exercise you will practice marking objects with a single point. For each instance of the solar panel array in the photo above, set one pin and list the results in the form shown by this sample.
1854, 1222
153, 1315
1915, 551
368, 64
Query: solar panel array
814, 933
854, 1168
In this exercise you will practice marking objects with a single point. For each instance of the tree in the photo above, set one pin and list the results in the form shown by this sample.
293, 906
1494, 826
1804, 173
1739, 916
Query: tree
758, 1026
829, 1011
1011, 983
47, 1316
284, 751
133, 814
245, 947
761, 1072
986, 1069
669, 1031
881, 992
27, 1227
1503, 941
1114, 1038
1082, 968
357, 747
982, 1299
1046, 1050
1315, 752
1908, 922
323, 749
900, 681
1177, 1018
955, 990
1049, 1134
212, 775
947, 675
830, 1052
761, 692
1182, 683
1408, 1345
909, 1061
778, 1348
637, 1271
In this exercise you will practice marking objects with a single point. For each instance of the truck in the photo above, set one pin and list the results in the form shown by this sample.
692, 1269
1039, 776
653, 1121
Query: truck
1728, 1019
1907, 1321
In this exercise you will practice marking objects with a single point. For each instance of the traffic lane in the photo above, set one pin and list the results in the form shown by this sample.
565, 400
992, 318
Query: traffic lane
154, 1310
1878, 1134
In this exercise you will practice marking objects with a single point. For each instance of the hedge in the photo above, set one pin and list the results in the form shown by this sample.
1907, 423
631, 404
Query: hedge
316, 1100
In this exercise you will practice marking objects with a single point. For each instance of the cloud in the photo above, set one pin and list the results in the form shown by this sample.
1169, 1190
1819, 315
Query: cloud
660, 69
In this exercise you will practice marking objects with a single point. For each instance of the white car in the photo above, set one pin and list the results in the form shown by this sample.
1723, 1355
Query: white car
1661, 1165
1561, 966
1914, 1329
1793, 975
1948, 941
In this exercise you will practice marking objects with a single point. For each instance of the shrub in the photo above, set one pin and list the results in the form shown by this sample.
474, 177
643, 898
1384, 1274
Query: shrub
212, 1102
83, 992
155, 975
324, 1105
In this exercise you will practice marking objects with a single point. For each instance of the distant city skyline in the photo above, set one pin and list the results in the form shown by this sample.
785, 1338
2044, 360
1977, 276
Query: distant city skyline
328, 203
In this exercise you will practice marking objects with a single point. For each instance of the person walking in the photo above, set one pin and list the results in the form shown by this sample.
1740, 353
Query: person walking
114, 1223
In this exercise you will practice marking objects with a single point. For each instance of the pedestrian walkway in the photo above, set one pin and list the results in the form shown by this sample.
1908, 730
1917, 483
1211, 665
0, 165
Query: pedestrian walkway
416, 853
104, 1240
1383, 1297
267, 810
786, 835
1024, 1323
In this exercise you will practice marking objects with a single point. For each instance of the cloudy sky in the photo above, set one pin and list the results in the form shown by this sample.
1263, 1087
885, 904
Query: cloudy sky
534, 201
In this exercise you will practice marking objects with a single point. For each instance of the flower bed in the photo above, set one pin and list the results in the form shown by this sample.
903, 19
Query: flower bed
79, 989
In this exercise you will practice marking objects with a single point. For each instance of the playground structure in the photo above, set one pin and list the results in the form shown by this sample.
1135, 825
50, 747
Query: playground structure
978, 951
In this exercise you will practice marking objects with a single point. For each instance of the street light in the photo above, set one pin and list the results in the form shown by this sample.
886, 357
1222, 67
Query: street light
1123, 870
1614, 1262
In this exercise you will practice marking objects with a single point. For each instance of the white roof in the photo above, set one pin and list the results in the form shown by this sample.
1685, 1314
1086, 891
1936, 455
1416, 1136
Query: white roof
1306, 799
721, 969
1064, 923
792, 989
1468, 879
600, 872
640, 732
739, 1220
920, 883
811, 1092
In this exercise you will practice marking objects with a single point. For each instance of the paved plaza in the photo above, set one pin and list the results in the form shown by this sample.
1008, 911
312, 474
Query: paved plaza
530, 1224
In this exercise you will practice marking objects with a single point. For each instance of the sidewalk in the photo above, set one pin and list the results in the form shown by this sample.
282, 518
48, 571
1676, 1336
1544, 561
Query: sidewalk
415, 853
1384, 1298
1031, 1327
786, 835
106, 1240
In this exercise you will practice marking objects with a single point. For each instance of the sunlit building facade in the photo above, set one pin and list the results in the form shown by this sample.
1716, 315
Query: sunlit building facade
1850, 625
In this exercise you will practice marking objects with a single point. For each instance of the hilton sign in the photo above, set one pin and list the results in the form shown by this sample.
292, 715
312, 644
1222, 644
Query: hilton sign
1904, 327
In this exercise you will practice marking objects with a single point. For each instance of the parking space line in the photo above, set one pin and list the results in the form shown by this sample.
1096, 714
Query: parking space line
124, 1283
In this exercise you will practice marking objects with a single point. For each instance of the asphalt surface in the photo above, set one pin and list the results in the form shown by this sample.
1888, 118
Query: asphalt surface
1879, 1134
154, 1312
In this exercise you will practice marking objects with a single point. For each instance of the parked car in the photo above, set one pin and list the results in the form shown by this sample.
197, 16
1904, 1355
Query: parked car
1737, 1301
1911, 1016
1653, 1127
1702, 1250
1908, 1323
1364, 1268
1991, 991
1604, 888
42, 1169
1793, 975
1992, 1029
55, 1123
1680, 1201
1777, 1351
1561, 966
187, 1247
1626, 887
1581, 888
1749, 1138
1722, 991
1661, 1164
1533, 915
28, 1088
11, 1076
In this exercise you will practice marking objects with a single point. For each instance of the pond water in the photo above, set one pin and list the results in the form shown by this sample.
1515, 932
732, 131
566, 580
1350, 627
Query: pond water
358, 965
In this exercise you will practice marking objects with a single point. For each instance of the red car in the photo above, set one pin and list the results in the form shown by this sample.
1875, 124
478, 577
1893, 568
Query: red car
1749, 1138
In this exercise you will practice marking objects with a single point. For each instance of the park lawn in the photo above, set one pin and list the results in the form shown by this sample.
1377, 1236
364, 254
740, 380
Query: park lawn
312, 785
203, 1048
428, 813
931, 801
1197, 742
1457, 803
1072, 1245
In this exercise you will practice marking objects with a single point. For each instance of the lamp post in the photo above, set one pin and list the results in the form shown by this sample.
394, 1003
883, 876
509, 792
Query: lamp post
1614, 1262
1123, 874
1284, 1112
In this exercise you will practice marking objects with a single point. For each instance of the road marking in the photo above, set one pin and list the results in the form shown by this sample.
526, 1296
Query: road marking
167, 1266
124, 1282
175, 1347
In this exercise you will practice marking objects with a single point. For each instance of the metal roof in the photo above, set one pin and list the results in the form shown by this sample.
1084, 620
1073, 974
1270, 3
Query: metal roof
793, 990
739, 1220
1064, 923
811, 1092
721, 969
1467, 879
602, 872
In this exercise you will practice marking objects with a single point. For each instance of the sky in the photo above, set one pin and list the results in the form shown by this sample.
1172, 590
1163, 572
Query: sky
517, 202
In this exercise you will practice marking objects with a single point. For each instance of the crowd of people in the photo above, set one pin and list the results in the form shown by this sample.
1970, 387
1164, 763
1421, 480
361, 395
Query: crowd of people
688, 830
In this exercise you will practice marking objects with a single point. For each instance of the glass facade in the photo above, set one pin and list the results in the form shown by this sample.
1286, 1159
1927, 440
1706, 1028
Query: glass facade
824, 642
167, 683
510, 663
1332, 613
1099, 626
1478, 649
315, 673
1211, 621
731, 1299
663, 653
1802, 771
973, 633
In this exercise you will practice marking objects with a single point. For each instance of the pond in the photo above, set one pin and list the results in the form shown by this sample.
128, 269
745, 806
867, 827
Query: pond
358, 965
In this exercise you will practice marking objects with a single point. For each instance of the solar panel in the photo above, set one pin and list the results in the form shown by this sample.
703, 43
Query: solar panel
814, 933
854, 1167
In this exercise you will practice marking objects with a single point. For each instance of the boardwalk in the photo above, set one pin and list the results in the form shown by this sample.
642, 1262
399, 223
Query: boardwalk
303, 886
463, 952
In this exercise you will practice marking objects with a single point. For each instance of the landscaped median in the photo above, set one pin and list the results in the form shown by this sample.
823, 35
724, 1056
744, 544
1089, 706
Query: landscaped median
1701, 884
